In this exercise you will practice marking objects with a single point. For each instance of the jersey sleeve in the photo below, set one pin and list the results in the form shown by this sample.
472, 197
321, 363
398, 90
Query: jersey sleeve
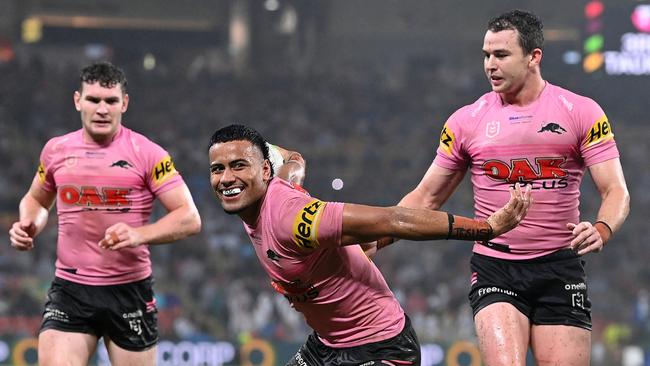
597, 138
306, 224
45, 171
450, 152
160, 172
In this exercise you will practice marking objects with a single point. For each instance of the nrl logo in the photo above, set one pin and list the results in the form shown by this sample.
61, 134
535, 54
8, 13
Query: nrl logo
492, 129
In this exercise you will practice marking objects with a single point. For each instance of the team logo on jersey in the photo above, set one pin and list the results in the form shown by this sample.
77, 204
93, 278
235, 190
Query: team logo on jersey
163, 170
41, 172
95, 197
600, 131
521, 170
492, 128
122, 164
447, 139
552, 127
274, 257
305, 225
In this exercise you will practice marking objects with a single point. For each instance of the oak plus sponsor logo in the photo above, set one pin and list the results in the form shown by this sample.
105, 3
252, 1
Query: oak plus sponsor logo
295, 291
495, 290
305, 225
95, 197
545, 173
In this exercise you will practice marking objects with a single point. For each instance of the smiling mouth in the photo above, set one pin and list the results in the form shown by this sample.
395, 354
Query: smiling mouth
231, 192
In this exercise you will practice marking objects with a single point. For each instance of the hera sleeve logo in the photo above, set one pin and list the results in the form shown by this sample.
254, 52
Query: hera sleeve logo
163, 170
447, 139
305, 225
600, 131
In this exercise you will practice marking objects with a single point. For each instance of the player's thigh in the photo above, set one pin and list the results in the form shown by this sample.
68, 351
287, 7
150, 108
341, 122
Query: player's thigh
561, 345
123, 357
57, 348
503, 334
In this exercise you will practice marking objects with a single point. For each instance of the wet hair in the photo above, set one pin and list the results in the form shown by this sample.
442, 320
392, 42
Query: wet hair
241, 133
527, 24
107, 74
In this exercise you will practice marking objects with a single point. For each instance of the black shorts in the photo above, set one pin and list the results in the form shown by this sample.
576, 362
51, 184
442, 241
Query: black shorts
124, 313
549, 290
403, 349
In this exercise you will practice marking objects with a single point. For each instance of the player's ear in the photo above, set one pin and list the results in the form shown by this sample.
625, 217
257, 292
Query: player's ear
266, 170
125, 102
535, 57
77, 100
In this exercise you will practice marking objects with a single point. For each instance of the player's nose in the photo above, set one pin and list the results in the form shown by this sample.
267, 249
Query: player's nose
102, 108
490, 62
227, 177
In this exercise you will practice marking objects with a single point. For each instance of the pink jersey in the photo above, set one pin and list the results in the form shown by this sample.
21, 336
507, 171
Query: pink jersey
98, 186
546, 144
340, 292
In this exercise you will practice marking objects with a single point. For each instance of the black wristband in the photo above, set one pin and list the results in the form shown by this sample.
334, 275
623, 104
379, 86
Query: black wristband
611, 232
450, 218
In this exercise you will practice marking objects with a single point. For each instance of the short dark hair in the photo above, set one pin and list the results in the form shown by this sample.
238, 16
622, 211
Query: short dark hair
527, 24
241, 133
107, 74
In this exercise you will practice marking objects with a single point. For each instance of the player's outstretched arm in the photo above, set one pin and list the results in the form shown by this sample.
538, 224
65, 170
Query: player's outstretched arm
33, 210
182, 220
367, 223
432, 192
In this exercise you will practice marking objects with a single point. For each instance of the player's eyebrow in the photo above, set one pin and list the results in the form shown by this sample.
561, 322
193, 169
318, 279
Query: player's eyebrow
95, 99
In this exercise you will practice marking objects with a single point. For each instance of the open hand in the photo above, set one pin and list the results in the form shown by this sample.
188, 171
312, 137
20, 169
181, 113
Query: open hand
510, 215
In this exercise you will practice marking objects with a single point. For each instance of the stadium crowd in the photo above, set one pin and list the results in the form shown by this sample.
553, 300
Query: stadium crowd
375, 130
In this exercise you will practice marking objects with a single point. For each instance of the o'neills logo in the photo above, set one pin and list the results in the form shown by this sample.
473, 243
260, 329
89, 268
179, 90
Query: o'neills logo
305, 225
